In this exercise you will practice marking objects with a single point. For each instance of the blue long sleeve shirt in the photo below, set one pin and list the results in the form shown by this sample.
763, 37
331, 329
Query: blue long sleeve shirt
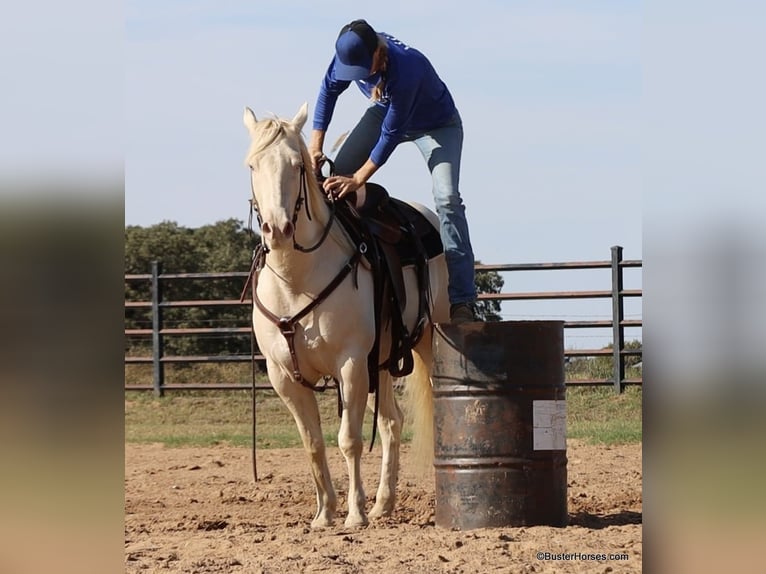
415, 98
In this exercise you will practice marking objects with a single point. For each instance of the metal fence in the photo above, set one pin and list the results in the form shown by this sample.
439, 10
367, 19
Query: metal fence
159, 331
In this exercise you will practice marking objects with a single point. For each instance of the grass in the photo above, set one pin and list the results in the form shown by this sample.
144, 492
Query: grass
600, 416
199, 418
188, 418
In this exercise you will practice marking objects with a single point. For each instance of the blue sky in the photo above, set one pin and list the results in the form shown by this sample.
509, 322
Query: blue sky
549, 93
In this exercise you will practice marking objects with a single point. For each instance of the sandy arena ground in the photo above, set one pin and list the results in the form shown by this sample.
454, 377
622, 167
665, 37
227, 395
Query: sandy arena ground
198, 510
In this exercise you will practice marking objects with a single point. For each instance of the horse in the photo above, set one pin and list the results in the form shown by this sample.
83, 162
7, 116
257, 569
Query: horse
314, 320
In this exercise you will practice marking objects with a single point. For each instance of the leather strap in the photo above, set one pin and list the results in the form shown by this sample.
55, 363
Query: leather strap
286, 325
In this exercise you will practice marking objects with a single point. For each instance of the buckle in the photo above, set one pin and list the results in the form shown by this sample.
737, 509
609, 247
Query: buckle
285, 326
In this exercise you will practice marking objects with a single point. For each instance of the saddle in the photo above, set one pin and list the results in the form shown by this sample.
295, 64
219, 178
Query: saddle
396, 235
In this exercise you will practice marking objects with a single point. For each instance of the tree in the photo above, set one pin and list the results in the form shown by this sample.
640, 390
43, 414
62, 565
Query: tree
488, 282
221, 247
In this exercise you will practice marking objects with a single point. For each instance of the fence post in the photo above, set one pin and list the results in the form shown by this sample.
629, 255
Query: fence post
158, 372
618, 314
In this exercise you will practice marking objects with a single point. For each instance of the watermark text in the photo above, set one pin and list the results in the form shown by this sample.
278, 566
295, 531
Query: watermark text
582, 556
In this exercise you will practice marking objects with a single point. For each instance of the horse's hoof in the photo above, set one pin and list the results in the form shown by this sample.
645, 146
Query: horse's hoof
321, 522
356, 521
380, 511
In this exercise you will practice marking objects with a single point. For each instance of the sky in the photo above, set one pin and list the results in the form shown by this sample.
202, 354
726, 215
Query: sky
549, 93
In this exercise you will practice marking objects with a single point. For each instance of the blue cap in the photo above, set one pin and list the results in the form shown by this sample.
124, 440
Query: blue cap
354, 49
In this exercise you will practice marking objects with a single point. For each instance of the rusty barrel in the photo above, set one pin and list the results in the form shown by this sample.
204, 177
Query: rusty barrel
500, 424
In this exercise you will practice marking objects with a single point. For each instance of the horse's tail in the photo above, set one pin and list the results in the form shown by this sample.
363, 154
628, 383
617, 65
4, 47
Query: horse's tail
419, 406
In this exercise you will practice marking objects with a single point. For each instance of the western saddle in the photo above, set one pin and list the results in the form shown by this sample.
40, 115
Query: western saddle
396, 235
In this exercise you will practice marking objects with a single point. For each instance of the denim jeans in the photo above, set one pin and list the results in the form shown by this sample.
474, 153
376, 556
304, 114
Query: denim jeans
441, 148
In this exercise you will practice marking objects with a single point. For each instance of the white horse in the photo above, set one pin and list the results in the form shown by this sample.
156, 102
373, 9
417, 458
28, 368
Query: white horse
328, 334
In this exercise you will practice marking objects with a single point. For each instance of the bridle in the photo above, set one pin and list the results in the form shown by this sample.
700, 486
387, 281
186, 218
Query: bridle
302, 198
286, 325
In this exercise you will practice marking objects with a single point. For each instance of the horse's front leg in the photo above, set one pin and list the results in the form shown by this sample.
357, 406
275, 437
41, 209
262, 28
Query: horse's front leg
302, 403
354, 382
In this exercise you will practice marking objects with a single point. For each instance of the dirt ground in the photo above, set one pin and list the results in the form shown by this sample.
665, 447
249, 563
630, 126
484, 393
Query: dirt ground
198, 510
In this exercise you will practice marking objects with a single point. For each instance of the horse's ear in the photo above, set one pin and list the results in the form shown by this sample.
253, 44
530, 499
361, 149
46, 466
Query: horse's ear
300, 117
249, 119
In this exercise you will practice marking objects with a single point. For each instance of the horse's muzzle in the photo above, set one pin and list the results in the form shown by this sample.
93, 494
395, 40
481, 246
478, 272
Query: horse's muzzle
277, 233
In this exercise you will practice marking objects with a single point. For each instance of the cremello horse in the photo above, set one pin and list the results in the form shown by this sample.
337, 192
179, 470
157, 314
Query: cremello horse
325, 334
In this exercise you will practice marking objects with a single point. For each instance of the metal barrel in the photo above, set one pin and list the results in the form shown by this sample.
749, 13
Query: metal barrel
500, 424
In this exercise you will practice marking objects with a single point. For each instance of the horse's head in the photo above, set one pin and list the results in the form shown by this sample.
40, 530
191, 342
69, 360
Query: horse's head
278, 173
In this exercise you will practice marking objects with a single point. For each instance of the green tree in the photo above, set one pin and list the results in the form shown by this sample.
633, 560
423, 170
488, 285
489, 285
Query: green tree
221, 247
488, 282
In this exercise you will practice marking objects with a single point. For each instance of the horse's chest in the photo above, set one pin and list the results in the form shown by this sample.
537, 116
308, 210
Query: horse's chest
307, 346
341, 327
302, 342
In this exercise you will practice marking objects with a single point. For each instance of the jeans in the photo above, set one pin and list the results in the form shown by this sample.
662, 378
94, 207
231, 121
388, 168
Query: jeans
441, 148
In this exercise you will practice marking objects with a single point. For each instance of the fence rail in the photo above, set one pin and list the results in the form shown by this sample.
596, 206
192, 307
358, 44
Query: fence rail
158, 332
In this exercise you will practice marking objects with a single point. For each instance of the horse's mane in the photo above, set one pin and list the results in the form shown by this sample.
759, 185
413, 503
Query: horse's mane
266, 133
269, 131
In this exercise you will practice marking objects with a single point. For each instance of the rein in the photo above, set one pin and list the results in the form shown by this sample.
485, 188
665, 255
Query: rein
304, 198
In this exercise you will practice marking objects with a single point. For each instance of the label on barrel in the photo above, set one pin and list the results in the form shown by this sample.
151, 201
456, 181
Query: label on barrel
549, 423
